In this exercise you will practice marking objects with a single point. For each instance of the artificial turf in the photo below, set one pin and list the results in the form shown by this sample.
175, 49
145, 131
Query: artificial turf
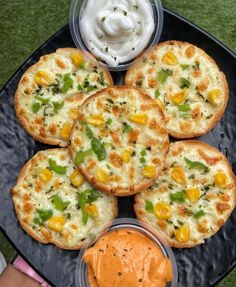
26, 24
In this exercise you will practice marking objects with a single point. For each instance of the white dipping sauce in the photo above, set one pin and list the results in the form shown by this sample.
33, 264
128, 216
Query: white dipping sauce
117, 30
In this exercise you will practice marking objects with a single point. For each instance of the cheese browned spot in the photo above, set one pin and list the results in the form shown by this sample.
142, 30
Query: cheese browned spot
129, 146
54, 203
186, 83
51, 91
193, 209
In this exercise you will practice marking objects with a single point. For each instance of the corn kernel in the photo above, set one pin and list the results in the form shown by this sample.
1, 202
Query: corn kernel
96, 120
140, 119
149, 171
74, 113
169, 58
162, 210
92, 210
45, 174
102, 175
193, 194
76, 178
180, 97
43, 78
56, 223
220, 178
214, 96
177, 174
160, 104
66, 131
77, 59
126, 155
182, 234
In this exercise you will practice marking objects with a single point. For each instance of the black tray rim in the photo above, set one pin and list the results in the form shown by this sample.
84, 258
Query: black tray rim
26, 62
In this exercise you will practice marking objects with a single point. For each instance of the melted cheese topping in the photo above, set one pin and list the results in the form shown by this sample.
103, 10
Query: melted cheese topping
187, 82
51, 91
129, 128
189, 202
50, 205
126, 257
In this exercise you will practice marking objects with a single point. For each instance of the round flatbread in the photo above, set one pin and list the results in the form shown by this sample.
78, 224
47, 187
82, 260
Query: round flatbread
50, 92
186, 83
119, 141
54, 203
192, 198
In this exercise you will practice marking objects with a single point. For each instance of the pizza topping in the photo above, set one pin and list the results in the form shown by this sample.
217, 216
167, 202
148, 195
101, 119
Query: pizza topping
190, 51
66, 131
149, 206
140, 119
162, 210
177, 174
169, 58
36, 107
77, 59
199, 214
76, 178
42, 215
214, 97
163, 74
92, 210
67, 83
220, 178
102, 175
184, 66
193, 194
149, 171
45, 174
178, 196
96, 120
56, 223
179, 98
182, 234
57, 168
184, 83
43, 78
58, 203
126, 155
221, 206
81, 155
196, 165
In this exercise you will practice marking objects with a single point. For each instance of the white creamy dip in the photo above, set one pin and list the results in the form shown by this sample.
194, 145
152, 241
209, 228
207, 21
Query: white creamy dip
117, 30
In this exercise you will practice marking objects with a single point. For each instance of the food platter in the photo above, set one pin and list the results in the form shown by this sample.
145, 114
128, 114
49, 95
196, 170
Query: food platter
204, 265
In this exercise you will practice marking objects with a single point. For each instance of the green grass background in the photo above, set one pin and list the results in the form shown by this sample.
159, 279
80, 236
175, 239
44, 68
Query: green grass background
26, 24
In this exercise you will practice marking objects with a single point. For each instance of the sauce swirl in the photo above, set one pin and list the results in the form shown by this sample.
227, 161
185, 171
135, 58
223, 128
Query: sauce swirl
118, 30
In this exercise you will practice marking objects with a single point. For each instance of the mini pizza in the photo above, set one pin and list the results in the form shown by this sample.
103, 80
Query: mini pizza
186, 83
55, 204
50, 92
193, 197
120, 141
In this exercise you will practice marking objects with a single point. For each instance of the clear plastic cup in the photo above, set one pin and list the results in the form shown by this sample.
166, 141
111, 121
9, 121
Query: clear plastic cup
76, 11
131, 223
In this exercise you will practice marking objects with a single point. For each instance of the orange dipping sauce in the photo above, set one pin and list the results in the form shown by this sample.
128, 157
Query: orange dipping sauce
127, 258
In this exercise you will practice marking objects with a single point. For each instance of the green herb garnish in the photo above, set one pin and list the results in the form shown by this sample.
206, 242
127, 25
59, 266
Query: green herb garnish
179, 196
126, 127
196, 165
157, 93
163, 74
184, 83
57, 106
57, 168
199, 214
184, 108
81, 155
36, 107
148, 206
67, 83
42, 216
184, 66
58, 203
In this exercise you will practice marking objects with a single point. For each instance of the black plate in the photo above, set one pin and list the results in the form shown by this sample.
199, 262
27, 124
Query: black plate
200, 266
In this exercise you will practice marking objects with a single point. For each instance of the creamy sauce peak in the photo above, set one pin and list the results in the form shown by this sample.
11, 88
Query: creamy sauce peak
117, 30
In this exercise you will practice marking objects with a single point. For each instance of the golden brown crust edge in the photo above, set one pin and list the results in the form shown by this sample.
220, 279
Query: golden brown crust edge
26, 227
138, 205
217, 116
23, 122
91, 179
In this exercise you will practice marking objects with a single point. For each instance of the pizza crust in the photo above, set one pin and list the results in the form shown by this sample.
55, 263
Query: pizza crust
26, 170
176, 148
217, 113
118, 190
19, 109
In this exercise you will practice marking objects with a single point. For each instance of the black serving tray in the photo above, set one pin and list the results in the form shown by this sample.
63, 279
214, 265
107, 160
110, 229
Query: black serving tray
201, 266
